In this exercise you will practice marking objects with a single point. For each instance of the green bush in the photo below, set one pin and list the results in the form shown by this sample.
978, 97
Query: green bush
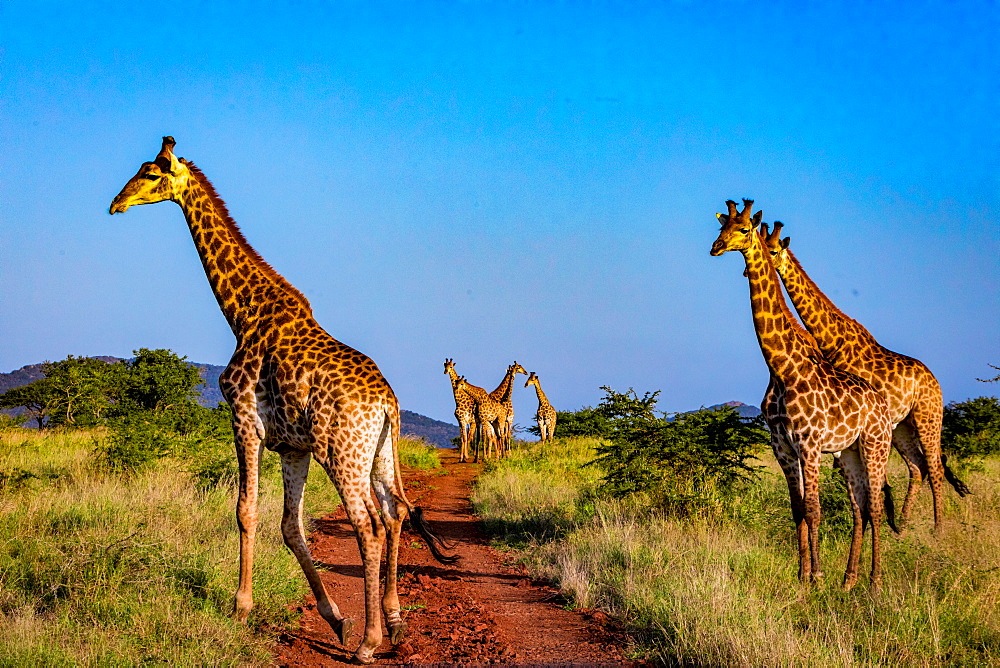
685, 463
971, 431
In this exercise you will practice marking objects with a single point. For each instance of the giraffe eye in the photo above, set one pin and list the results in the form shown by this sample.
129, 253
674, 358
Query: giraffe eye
152, 177
744, 230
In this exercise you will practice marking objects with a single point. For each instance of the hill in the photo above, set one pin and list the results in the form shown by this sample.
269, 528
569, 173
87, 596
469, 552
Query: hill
411, 424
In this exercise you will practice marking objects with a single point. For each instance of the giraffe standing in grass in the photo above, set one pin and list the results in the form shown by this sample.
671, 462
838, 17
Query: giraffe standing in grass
295, 390
546, 415
910, 389
465, 411
504, 396
812, 408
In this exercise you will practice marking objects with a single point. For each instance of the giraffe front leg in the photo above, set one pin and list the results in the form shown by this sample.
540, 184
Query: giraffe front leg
789, 464
294, 472
813, 512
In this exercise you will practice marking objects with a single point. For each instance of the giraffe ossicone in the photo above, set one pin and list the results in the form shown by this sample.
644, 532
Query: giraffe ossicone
295, 390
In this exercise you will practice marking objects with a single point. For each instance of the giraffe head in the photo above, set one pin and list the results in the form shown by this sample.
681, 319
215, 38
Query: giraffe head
155, 181
461, 384
449, 365
515, 369
738, 228
775, 245
532, 380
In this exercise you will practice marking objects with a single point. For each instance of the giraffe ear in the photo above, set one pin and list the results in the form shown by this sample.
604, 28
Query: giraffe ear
785, 242
723, 218
755, 221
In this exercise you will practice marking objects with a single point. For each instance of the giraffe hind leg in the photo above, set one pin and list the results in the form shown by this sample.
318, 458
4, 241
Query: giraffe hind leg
294, 471
393, 512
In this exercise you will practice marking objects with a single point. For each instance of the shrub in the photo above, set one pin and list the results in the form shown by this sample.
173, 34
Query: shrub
971, 431
682, 463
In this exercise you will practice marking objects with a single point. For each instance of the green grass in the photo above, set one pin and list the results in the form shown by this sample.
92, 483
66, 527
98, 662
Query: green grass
101, 569
724, 591
417, 453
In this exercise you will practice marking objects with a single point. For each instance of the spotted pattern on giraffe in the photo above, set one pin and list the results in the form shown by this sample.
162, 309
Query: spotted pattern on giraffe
812, 408
912, 393
545, 416
296, 390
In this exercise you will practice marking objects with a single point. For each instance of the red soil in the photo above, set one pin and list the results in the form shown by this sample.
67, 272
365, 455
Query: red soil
483, 609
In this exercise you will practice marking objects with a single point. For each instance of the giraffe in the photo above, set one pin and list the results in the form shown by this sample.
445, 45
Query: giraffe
503, 395
465, 411
910, 389
812, 408
546, 415
490, 417
299, 392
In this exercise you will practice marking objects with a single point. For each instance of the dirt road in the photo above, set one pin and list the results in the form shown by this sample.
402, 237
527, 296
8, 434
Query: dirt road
484, 609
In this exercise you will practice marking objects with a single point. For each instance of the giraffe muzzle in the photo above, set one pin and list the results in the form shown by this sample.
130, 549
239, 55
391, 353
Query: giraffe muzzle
118, 205
718, 248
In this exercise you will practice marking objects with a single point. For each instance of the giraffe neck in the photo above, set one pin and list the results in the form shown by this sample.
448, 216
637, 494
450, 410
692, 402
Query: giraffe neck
505, 389
838, 336
542, 399
248, 289
786, 346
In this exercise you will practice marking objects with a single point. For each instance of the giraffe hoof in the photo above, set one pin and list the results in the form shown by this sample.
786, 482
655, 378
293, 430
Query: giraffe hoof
396, 632
344, 632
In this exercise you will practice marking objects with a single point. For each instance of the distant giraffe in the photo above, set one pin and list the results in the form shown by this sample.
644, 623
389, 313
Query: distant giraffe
295, 390
465, 411
546, 415
812, 408
503, 395
490, 418
910, 389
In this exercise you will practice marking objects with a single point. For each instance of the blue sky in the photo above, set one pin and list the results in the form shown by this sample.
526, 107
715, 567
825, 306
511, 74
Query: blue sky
508, 181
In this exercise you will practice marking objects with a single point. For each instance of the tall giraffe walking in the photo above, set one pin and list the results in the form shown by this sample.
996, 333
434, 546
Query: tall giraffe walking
545, 416
910, 389
465, 411
295, 390
812, 408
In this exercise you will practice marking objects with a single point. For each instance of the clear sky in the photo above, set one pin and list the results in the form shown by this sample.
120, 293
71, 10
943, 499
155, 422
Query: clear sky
499, 181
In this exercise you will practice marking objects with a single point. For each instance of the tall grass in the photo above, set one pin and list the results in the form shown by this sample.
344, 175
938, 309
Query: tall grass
724, 591
102, 569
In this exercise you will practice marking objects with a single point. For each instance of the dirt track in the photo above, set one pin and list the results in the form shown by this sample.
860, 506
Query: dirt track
483, 609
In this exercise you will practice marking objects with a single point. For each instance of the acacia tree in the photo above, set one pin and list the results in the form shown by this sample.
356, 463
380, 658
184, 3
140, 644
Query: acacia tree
80, 389
35, 397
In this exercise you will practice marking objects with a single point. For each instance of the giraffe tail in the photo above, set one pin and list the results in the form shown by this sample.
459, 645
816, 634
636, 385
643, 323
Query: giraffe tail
958, 484
416, 514
890, 506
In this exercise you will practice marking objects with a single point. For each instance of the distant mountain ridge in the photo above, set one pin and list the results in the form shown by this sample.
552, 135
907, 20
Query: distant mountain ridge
410, 423
745, 410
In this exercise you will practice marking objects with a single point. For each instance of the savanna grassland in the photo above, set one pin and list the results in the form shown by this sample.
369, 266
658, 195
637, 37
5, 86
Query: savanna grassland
106, 567
714, 582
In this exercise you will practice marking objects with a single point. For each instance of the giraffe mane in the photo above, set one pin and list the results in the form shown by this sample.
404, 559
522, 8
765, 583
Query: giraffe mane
241, 240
